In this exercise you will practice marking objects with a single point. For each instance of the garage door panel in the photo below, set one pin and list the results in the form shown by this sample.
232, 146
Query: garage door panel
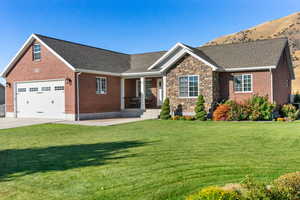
45, 99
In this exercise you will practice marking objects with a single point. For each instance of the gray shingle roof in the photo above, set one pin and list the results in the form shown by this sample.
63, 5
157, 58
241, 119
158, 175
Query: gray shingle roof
250, 54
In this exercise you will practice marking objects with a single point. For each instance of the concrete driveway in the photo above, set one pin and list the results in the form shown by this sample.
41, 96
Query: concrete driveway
14, 122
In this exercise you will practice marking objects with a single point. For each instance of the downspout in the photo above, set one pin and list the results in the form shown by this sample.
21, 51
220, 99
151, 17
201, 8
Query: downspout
272, 97
78, 99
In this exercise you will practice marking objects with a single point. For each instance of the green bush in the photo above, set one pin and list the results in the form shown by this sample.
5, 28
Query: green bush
214, 193
237, 111
201, 114
289, 183
297, 98
290, 111
254, 190
165, 110
260, 108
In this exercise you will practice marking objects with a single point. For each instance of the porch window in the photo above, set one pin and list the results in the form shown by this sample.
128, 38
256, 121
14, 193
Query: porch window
36, 52
243, 83
101, 85
189, 86
148, 86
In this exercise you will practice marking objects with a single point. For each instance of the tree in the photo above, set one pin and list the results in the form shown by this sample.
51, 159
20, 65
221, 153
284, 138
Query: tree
165, 110
201, 114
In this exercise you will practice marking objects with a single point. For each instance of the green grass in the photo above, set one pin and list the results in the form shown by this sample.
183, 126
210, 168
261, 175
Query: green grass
142, 160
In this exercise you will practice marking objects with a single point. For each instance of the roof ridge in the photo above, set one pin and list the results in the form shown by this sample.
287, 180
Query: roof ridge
147, 52
247, 42
77, 43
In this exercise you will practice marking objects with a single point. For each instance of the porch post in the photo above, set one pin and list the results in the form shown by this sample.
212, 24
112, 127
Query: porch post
143, 105
122, 94
164, 87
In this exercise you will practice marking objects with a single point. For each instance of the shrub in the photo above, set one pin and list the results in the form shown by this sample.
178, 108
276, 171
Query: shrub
297, 98
214, 193
176, 117
280, 119
260, 108
237, 111
189, 118
165, 110
254, 190
290, 112
201, 114
289, 183
221, 113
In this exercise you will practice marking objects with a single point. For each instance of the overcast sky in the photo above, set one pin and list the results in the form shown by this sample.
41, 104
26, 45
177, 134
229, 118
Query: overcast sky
132, 26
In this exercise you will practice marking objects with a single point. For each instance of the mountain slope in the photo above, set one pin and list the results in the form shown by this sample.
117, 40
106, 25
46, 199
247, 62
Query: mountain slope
288, 26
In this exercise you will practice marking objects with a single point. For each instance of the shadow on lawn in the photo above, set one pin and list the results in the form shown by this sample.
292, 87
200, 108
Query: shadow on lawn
57, 158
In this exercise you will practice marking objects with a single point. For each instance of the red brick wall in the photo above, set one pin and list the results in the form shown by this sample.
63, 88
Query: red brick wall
261, 85
90, 102
49, 67
282, 81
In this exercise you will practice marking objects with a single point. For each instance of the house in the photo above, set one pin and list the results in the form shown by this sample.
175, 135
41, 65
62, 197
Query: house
53, 78
2, 94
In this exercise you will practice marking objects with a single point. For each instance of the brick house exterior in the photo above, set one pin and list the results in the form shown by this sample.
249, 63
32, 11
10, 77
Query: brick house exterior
142, 81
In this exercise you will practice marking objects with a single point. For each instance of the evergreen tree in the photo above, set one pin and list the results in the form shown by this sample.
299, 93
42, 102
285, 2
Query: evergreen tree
165, 110
200, 109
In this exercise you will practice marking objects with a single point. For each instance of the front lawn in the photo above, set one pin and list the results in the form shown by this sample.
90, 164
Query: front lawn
143, 160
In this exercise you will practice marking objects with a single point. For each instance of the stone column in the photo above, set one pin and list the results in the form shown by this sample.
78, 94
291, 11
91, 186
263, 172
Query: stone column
122, 94
143, 104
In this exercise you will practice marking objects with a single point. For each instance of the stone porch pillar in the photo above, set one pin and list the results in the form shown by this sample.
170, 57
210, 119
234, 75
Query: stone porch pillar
143, 104
122, 94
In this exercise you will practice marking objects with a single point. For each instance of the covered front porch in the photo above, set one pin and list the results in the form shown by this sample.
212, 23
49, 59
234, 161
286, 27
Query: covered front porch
142, 92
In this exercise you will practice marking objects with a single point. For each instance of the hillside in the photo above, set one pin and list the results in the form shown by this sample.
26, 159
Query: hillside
288, 26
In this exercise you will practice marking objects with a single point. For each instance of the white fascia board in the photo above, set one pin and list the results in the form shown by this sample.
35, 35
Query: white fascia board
24, 48
180, 54
158, 73
178, 44
249, 68
97, 72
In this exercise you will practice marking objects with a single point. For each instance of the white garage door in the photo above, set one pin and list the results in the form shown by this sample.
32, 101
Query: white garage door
44, 99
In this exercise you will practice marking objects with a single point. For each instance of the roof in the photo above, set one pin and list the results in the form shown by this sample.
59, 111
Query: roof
249, 54
1, 85
262, 53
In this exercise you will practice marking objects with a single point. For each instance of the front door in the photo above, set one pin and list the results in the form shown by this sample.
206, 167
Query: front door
159, 92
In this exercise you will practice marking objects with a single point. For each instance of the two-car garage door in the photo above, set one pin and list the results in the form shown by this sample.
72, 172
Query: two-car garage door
41, 99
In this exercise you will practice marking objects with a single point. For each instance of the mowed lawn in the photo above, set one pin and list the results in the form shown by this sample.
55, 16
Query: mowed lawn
143, 160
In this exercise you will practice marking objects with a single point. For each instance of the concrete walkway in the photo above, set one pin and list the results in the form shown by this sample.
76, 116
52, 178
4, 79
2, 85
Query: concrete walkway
14, 122
101, 122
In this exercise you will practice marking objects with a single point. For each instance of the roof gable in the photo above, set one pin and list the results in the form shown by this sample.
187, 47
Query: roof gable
177, 52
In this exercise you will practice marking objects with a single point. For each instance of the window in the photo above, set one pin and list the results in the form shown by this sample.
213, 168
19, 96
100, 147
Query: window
101, 85
243, 83
58, 88
44, 89
148, 87
33, 89
21, 89
36, 52
189, 86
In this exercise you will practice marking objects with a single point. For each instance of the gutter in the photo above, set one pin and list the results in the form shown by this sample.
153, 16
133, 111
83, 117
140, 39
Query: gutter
78, 97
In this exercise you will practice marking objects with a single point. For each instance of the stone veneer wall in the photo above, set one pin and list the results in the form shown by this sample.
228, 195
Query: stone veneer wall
209, 84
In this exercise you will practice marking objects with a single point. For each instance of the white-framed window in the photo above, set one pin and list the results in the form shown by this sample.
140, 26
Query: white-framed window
188, 86
101, 85
59, 88
148, 87
36, 52
21, 89
35, 89
243, 83
45, 89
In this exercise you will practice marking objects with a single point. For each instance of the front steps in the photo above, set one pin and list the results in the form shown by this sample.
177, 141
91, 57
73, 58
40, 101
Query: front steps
143, 114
